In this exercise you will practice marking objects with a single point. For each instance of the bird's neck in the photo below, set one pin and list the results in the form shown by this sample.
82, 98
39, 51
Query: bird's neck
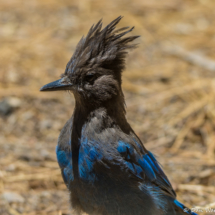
113, 109
108, 114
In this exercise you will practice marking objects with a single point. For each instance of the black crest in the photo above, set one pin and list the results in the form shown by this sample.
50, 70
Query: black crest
102, 49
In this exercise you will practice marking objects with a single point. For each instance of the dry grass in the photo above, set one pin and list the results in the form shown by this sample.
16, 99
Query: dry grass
169, 87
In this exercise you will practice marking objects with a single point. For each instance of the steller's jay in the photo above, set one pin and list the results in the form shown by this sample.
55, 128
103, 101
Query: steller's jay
104, 164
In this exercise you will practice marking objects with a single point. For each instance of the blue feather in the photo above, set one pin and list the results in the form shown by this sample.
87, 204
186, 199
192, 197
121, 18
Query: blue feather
186, 210
88, 156
148, 170
64, 159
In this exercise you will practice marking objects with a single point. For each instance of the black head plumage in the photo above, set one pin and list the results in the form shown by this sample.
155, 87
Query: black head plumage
102, 49
94, 71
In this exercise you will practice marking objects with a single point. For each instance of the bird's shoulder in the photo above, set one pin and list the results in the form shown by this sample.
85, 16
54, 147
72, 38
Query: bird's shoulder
111, 147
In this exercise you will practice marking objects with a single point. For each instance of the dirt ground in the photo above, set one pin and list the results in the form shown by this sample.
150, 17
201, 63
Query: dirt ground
169, 87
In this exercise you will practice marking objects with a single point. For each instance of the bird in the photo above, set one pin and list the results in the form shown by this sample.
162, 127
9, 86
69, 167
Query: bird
105, 166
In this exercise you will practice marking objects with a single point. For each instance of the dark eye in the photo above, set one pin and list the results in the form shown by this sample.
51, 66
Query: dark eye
90, 77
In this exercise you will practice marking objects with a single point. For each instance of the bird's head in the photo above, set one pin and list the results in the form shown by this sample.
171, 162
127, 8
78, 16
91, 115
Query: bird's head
94, 71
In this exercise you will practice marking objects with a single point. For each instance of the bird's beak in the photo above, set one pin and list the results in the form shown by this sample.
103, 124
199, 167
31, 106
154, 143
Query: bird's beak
57, 85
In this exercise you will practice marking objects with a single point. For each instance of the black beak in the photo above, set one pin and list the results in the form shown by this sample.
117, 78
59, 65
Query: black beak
56, 85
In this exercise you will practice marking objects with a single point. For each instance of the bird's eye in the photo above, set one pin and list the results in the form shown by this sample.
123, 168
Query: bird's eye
90, 77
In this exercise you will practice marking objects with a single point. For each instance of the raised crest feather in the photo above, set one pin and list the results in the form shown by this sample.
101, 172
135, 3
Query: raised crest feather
102, 48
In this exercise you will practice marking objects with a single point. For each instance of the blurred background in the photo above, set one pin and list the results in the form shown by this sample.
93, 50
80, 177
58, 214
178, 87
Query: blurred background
169, 87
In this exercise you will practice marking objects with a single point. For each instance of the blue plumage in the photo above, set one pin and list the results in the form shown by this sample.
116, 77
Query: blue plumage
88, 156
64, 159
105, 166
111, 163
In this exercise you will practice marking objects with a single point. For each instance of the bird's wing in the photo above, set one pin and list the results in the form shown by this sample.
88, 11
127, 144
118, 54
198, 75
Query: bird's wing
65, 162
64, 153
144, 166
